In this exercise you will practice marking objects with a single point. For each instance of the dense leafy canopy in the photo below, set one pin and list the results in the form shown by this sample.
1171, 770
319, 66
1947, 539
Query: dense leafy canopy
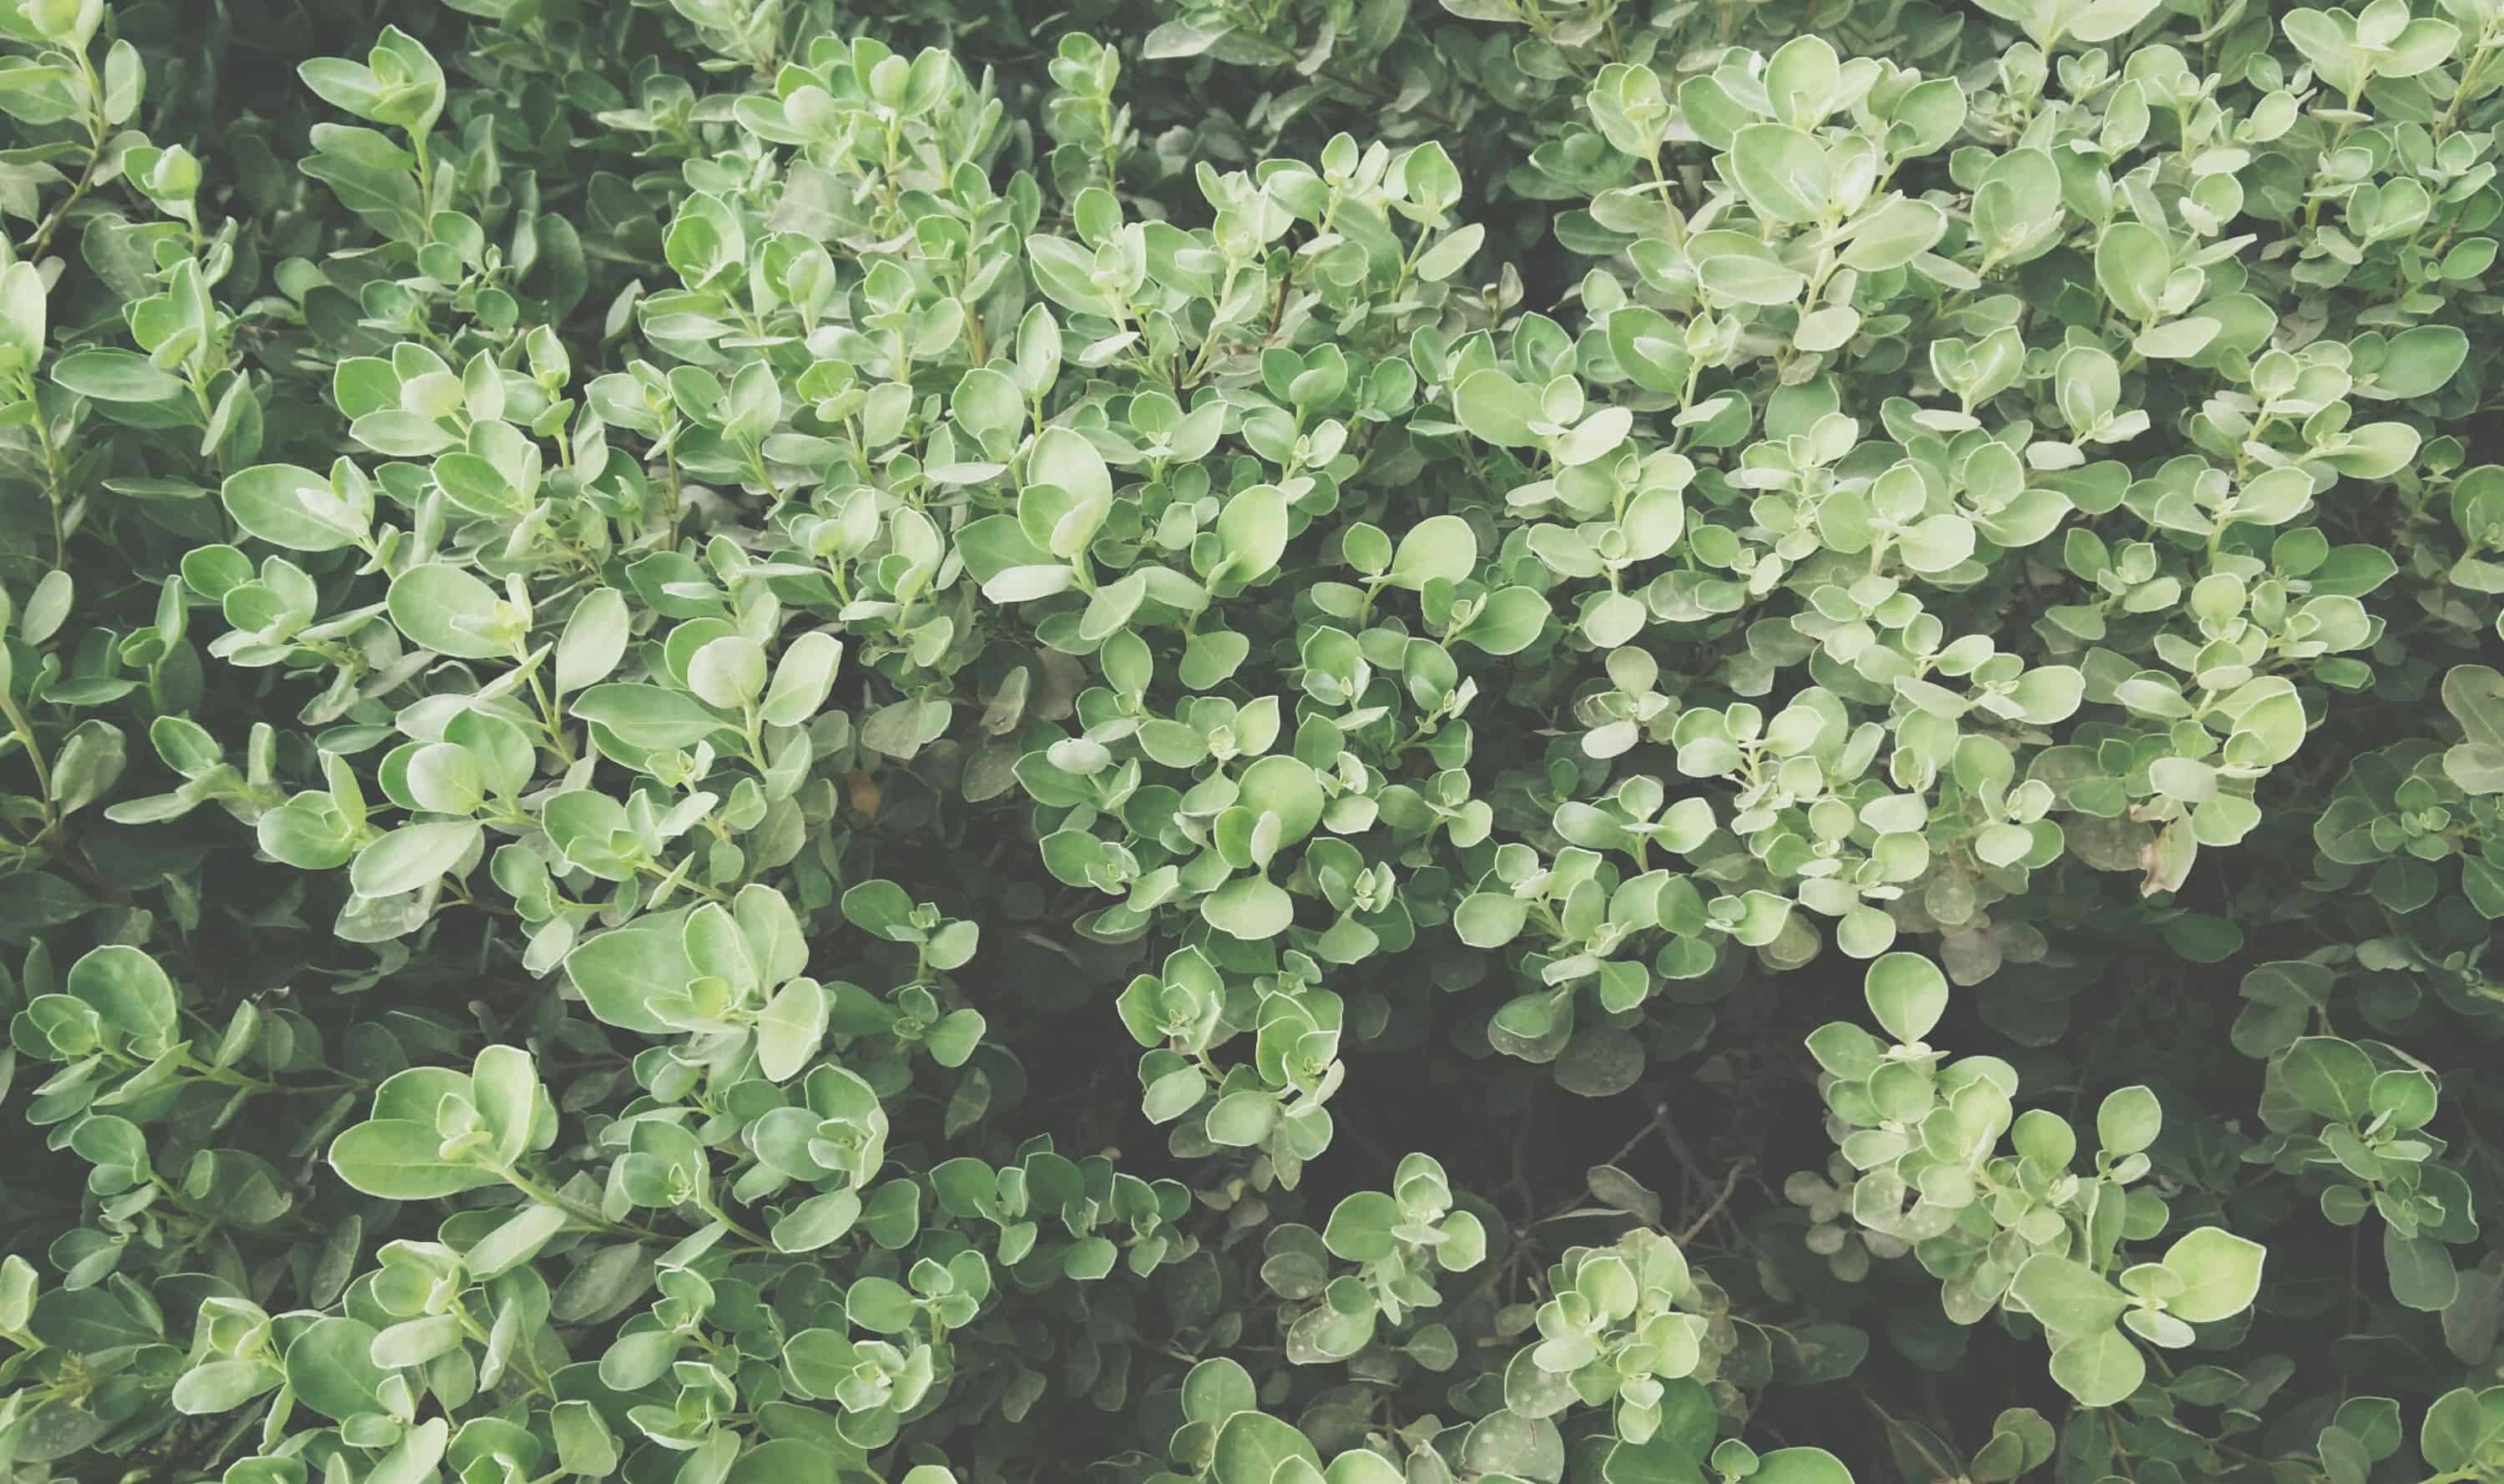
1771, 729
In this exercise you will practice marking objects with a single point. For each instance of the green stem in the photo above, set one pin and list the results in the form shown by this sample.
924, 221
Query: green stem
25, 731
1208, 347
705, 1203
2337, 137
469, 1326
548, 719
688, 882
95, 129
2477, 65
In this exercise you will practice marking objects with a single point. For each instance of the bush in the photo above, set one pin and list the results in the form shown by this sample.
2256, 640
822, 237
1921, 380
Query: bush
1770, 729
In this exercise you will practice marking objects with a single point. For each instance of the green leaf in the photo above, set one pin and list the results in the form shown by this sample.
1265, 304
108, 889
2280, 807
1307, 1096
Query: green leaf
1362, 1465
584, 1443
1650, 347
1288, 788
802, 680
1252, 530
1025, 584
127, 991
2419, 361
1440, 546
444, 609
2067, 1296
2132, 262
1800, 1465
1252, 1445
1064, 459
1250, 908
1675, 1453
221, 1386
115, 376
1216, 1389
648, 716
2422, 1274
1937, 542
400, 1159
1490, 919
47, 606
515, 1242
817, 1222
621, 973
728, 674
2460, 1426
1511, 619
412, 857
330, 1370
2331, 1078
2221, 1273
1496, 408
1906, 993
789, 1028
2099, 1370
1506, 1443
2128, 1120
879, 1305
2100, 20
90, 1321
1361, 1225
504, 1090
1748, 278
1242, 1120
22, 320
594, 640
281, 504
1782, 172
1899, 230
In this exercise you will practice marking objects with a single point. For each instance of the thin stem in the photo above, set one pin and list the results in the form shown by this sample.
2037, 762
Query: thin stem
550, 720
25, 731
2469, 78
95, 128
706, 1204
1729, 1182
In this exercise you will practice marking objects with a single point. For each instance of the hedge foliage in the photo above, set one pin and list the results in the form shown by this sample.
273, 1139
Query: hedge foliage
1263, 741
